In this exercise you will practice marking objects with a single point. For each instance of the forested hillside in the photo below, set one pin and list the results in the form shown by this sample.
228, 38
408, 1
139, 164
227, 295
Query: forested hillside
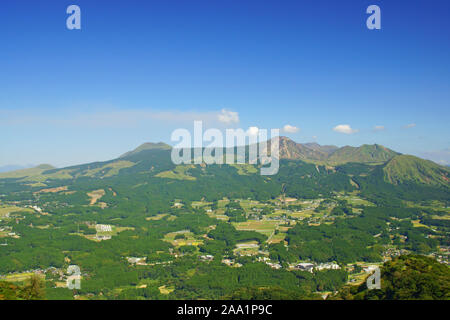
408, 277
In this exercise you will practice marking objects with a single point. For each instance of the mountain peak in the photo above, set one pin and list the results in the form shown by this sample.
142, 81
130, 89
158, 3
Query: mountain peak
316, 153
367, 153
147, 146
312, 151
45, 167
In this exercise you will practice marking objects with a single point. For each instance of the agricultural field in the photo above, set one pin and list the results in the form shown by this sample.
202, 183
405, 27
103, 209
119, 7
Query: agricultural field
9, 209
277, 238
182, 238
266, 227
21, 277
247, 248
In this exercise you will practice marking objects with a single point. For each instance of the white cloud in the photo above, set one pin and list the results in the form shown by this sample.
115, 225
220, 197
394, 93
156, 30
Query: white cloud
252, 131
408, 126
378, 128
345, 128
228, 117
290, 129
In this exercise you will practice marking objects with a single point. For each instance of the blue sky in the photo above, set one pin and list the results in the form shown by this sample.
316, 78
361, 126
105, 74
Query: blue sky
137, 70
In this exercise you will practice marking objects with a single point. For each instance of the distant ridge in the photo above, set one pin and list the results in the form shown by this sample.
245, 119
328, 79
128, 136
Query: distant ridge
38, 170
147, 146
364, 154
395, 168
404, 169
13, 167
307, 152
313, 152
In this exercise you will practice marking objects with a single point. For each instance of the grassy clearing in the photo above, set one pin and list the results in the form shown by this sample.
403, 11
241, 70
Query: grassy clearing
95, 196
114, 231
266, 227
354, 200
434, 204
417, 224
110, 169
441, 217
247, 205
247, 248
222, 203
179, 173
37, 174
277, 238
244, 169
21, 277
5, 209
200, 204
188, 240
218, 214
166, 290
304, 214
157, 217
53, 190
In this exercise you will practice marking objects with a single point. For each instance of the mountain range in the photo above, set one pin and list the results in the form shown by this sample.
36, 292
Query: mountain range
396, 168
313, 152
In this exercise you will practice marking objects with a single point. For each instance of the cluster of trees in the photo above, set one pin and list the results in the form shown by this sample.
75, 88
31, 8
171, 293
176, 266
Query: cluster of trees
339, 241
235, 212
33, 289
251, 281
408, 277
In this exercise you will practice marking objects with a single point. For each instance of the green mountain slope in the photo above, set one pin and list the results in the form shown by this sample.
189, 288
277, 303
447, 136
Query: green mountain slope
408, 277
406, 169
147, 146
154, 159
364, 154
30, 172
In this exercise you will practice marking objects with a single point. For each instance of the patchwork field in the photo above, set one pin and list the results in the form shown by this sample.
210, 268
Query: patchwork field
188, 240
277, 238
247, 248
354, 200
200, 204
266, 227
7, 209
21, 277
